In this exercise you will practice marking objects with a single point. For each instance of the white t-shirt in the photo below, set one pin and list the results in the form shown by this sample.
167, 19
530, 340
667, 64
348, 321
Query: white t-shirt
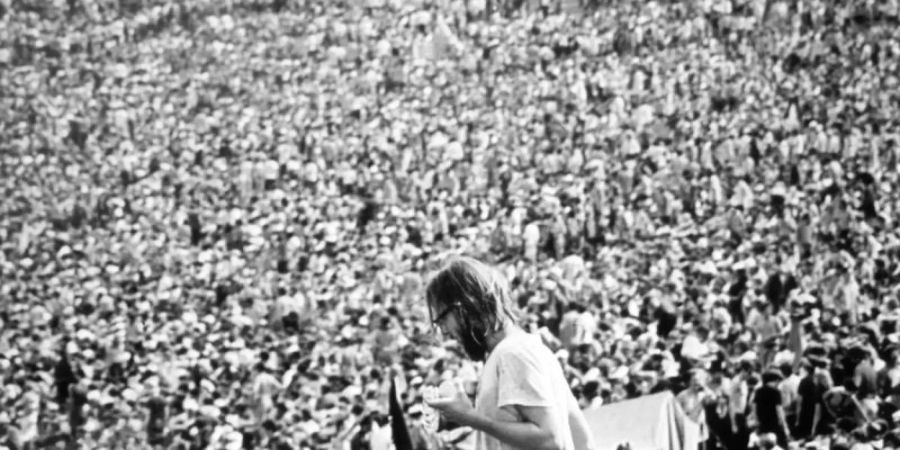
521, 370
692, 348
532, 234
380, 438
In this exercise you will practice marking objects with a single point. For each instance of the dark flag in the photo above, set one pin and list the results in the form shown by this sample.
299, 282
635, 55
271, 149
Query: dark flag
399, 431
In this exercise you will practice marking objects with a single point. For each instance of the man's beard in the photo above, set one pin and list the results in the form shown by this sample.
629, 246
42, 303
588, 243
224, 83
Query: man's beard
477, 351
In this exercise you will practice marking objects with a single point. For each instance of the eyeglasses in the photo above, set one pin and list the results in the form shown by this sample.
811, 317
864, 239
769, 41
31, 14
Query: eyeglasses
443, 315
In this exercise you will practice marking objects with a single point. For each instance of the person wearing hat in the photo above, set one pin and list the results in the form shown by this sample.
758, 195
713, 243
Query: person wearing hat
813, 419
767, 407
768, 327
523, 399
859, 361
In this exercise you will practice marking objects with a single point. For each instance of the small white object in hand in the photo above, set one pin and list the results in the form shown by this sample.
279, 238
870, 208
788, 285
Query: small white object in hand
447, 389
430, 416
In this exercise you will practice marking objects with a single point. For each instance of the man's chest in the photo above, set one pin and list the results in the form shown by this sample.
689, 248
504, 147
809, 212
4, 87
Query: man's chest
486, 397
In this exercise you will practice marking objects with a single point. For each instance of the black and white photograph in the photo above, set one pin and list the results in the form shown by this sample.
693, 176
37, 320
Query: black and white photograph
450, 224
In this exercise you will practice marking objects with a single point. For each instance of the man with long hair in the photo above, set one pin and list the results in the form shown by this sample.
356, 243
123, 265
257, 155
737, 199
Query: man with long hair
522, 399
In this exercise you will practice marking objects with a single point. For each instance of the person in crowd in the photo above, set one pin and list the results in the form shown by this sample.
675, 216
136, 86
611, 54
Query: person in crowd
522, 399
768, 408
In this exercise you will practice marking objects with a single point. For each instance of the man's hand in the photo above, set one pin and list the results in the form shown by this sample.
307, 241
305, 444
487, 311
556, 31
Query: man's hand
456, 407
456, 435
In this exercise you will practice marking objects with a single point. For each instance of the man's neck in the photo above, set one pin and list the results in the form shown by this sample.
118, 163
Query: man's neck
495, 338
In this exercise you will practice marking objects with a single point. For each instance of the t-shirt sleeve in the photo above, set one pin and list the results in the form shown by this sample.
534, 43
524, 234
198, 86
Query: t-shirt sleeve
522, 380
767, 398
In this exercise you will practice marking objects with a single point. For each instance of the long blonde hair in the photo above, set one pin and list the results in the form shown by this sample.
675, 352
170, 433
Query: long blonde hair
480, 292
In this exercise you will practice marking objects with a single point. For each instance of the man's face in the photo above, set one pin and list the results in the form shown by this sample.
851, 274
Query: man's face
697, 381
443, 319
448, 320
644, 386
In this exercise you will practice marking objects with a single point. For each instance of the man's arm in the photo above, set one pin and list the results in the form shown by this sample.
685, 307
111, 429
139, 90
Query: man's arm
857, 376
817, 416
581, 432
732, 415
537, 431
751, 403
783, 420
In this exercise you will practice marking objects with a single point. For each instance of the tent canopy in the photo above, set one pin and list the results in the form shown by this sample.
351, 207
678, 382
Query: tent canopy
652, 422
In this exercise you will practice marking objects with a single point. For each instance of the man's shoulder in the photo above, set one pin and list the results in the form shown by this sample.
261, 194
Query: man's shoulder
521, 343
769, 391
791, 382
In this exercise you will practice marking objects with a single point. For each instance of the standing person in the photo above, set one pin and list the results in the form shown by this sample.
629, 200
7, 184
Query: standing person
866, 381
768, 408
265, 388
156, 418
63, 376
77, 402
767, 327
522, 399
738, 397
196, 227
889, 378
386, 341
813, 418
531, 236
693, 399
574, 330
789, 393
807, 402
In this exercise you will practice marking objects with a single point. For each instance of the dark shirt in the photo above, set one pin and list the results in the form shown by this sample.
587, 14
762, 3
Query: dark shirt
65, 377
194, 222
774, 290
767, 400
157, 408
156, 422
810, 396
79, 399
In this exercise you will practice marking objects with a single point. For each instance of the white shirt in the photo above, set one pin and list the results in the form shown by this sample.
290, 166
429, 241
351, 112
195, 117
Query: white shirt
522, 371
789, 387
271, 169
532, 234
692, 348
380, 438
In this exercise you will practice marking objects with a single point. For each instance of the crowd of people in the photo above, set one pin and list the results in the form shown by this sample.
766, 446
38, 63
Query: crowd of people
217, 216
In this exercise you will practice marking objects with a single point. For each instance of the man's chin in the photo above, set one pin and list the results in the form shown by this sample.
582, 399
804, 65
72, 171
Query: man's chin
474, 351
475, 356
